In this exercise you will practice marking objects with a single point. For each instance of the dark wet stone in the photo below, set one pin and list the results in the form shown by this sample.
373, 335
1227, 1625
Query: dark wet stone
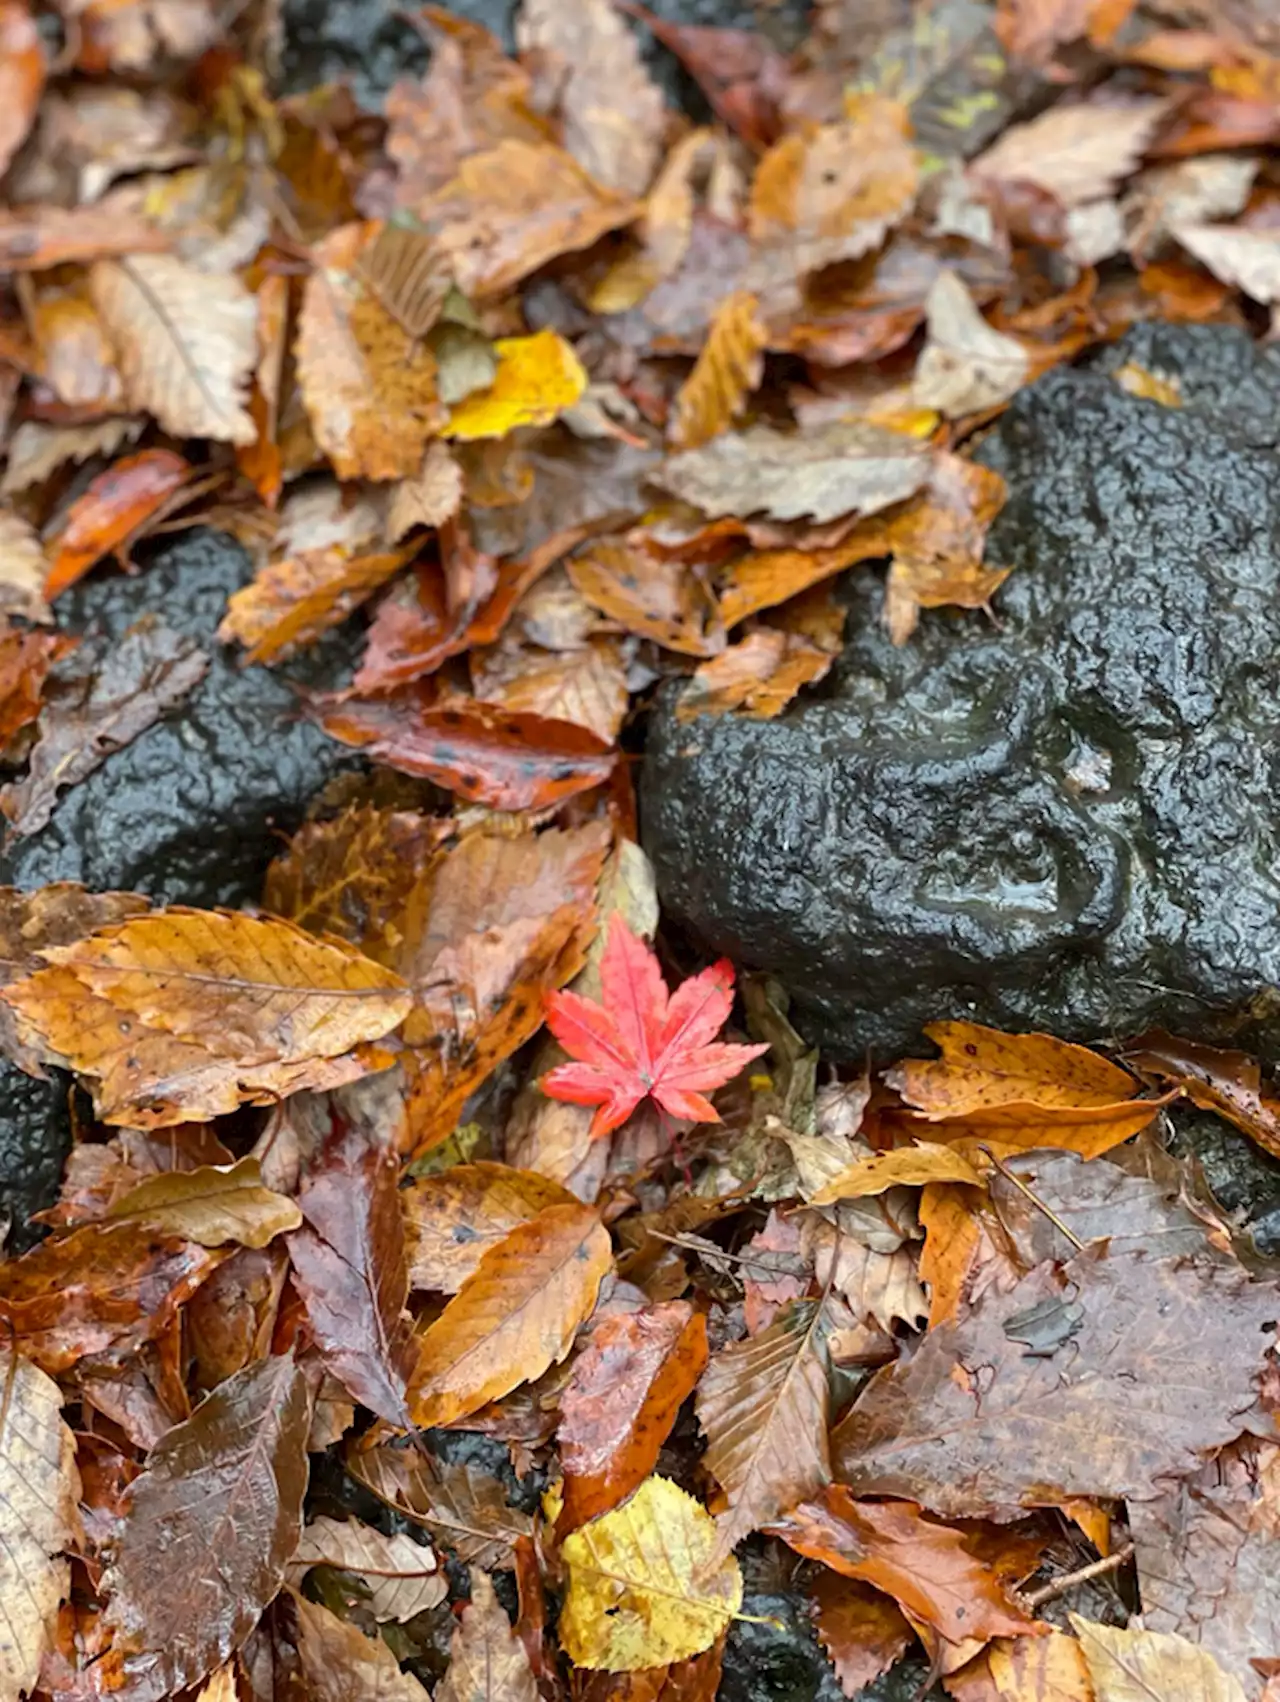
1065, 820
190, 812
1244, 1180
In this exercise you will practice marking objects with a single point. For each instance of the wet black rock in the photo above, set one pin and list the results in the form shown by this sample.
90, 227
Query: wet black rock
1244, 1180
1064, 819
190, 812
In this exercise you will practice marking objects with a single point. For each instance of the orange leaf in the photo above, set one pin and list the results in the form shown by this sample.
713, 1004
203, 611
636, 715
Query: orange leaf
1025, 1669
21, 76
913, 1166
453, 1219
489, 756
514, 1316
618, 1408
587, 686
114, 507
76, 358
25, 660
655, 597
261, 461
759, 675
730, 366
1229, 1083
291, 602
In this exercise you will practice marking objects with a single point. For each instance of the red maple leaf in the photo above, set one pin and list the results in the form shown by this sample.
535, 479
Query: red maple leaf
644, 1041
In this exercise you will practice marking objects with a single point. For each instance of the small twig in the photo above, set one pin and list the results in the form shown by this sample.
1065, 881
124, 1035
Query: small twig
1021, 1186
1035, 1599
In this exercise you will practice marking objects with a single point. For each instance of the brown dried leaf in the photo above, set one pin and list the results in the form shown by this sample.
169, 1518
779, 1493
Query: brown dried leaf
863, 1632
75, 356
728, 369
289, 603
349, 1268
587, 686
1229, 1083
965, 367
1025, 1669
764, 1405
1135, 1665
513, 1317
428, 498
932, 1570
408, 276
23, 567
369, 387
487, 1661
192, 1574
39, 1490
1140, 1406
1077, 153
621, 1401
588, 61
847, 467
185, 341
209, 1205
916, 1165
26, 657
514, 207
759, 675
37, 450
454, 1218
648, 594
341, 1664
33, 238
1248, 259
463, 1507
402, 1577
95, 705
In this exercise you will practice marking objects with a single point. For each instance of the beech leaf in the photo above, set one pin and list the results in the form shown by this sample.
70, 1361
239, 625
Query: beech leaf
1148, 1666
453, 1219
211, 1205
764, 1405
728, 369
863, 1631
644, 1585
487, 1661
402, 1577
513, 1317
192, 1573
340, 1664
463, 1507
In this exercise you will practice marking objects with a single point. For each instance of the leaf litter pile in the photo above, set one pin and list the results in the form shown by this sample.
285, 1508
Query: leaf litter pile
431, 1176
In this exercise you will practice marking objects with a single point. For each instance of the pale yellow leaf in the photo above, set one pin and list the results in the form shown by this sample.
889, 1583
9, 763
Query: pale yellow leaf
1152, 1666
965, 367
211, 1205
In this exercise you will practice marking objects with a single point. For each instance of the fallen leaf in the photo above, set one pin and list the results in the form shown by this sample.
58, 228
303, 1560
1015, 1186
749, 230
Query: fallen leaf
39, 1490
111, 511
210, 1205
513, 1317
95, 705
513, 207
1247, 259
913, 1166
621, 1401
537, 378
644, 1041
611, 109
937, 540
965, 367
764, 1405
23, 567
430, 497
340, 1664
369, 387
927, 1567
75, 356
1139, 1406
25, 660
1025, 1669
408, 276
647, 595
848, 467
36, 451
831, 192
262, 462
191, 1574
587, 686
185, 342
694, 1680
644, 1588
729, 367
742, 75
1134, 1665
99, 1287
35, 238
349, 1268
1229, 1083
1135, 380
487, 1662
1077, 153
21, 85
402, 1577
453, 1219
661, 234
863, 1632
1026, 1090
463, 1508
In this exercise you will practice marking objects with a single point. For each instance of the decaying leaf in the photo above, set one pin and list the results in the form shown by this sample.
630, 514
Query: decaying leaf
192, 1574
764, 1405
914, 1166
862, 1631
111, 511
212, 1205
339, 1662
965, 367
463, 1507
618, 1407
429, 497
23, 567
402, 1577
1077, 153
656, 598
513, 1317
22, 75
729, 368
39, 1490
1026, 1669
1134, 1665
185, 342
644, 1587
487, 1661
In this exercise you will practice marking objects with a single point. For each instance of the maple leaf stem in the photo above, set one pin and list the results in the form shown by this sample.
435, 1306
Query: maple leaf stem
1021, 1186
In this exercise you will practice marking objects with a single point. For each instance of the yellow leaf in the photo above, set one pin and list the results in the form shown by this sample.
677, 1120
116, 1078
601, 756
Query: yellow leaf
1025, 1669
538, 377
210, 1205
1152, 1666
514, 1316
39, 1489
912, 1165
729, 367
641, 1589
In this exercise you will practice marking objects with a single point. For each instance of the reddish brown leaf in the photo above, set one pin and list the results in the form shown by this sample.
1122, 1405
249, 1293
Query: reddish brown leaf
26, 657
349, 1267
116, 505
291, 602
341, 1664
926, 1566
646, 594
36, 238
617, 1410
103, 1286
21, 76
862, 1631
1229, 1083
463, 1508
489, 756
694, 1680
